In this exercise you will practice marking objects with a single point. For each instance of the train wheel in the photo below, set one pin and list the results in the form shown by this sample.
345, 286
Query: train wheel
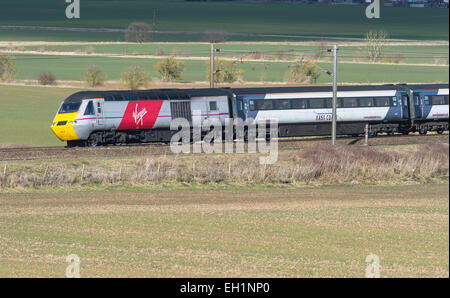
423, 131
390, 133
92, 141
405, 132
440, 131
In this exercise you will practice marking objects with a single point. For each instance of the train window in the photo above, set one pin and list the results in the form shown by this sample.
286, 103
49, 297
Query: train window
405, 100
382, 102
69, 107
299, 104
89, 109
282, 104
264, 105
426, 100
350, 102
252, 105
143, 97
366, 102
317, 103
329, 103
213, 106
394, 101
438, 100
417, 100
109, 98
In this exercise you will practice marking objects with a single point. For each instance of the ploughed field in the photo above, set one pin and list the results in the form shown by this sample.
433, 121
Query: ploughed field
241, 232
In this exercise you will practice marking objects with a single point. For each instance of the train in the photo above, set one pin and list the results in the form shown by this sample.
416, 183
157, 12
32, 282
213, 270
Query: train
93, 118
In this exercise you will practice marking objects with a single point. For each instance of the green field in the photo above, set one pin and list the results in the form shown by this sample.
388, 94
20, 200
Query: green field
26, 114
412, 54
282, 232
73, 68
233, 17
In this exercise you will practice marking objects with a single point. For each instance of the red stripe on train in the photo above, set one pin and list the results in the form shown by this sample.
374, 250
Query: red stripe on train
141, 114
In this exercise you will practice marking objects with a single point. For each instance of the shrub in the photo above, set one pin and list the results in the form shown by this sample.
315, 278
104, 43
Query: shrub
395, 57
135, 78
170, 69
7, 68
295, 74
46, 78
225, 71
301, 72
138, 32
94, 76
88, 50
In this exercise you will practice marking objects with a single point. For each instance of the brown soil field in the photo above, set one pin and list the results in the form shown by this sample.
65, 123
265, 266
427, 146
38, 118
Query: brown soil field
281, 232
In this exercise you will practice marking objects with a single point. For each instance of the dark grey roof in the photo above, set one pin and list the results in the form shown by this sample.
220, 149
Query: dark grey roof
175, 94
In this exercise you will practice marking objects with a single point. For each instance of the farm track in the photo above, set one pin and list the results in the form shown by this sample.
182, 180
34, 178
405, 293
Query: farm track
60, 152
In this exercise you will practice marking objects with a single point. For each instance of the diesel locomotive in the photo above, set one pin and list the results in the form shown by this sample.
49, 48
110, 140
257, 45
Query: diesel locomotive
91, 118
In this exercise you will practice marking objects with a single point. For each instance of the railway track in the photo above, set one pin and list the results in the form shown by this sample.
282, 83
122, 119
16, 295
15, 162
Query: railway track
60, 152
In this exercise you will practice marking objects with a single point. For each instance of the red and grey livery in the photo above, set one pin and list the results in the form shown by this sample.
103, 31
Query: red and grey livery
118, 117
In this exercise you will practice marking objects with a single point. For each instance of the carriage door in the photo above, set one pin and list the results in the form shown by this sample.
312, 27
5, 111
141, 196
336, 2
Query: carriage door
418, 106
405, 107
99, 113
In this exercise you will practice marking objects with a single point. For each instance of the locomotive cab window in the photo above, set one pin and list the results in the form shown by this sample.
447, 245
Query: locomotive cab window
213, 106
69, 107
89, 109
99, 108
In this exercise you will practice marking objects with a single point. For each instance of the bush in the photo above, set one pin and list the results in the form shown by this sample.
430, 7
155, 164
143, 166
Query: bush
225, 71
135, 78
295, 74
170, 69
7, 68
395, 57
138, 32
89, 50
94, 76
301, 72
46, 78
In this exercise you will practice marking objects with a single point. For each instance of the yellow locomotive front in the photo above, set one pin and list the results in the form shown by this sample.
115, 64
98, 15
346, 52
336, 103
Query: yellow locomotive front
62, 125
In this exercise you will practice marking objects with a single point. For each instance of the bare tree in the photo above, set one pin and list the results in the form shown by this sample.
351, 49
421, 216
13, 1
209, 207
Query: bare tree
374, 43
138, 32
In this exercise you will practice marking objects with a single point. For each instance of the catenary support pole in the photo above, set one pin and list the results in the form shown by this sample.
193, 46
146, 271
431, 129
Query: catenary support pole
334, 104
211, 76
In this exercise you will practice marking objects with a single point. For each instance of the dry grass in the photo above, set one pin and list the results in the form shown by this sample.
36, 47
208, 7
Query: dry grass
283, 232
319, 165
